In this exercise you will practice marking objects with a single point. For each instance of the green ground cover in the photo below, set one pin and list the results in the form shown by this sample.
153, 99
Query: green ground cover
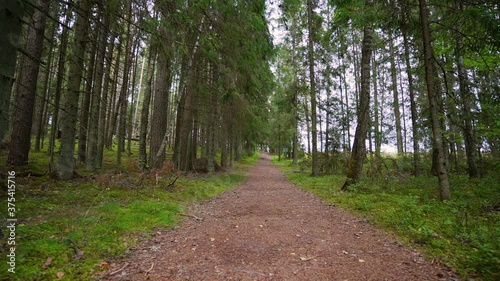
462, 233
74, 228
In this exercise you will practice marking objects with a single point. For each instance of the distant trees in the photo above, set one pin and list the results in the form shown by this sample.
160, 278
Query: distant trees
428, 68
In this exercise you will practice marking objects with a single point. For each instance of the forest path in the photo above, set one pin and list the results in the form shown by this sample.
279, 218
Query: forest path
268, 229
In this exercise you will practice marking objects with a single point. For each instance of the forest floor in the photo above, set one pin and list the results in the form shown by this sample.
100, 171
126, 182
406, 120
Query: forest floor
268, 229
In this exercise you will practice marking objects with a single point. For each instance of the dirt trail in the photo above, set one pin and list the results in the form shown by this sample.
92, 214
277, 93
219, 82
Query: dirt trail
267, 229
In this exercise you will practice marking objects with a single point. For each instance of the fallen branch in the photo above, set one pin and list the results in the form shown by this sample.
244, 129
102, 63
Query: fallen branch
151, 268
172, 183
118, 270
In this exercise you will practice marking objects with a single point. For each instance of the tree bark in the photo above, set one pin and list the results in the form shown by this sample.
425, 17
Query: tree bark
145, 110
97, 102
45, 92
376, 113
314, 132
212, 118
430, 77
10, 31
65, 165
358, 148
85, 106
104, 103
26, 91
160, 107
467, 99
395, 102
413, 105
61, 69
130, 113
124, 91
113, 103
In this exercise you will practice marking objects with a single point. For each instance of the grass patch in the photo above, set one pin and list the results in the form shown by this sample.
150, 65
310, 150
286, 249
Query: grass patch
463, 232
82, 223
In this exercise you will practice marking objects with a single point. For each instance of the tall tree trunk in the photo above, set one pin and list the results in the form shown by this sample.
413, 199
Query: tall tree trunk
114, 105
358, 149
124, 91
310, 48
65, 164
45, 93
160, 108
61, 70
308, 128
130, 113
413, 105
395, 102
212, 118
430, 77
104, 103
138, 99
143, 132
187, 84
85, 107
184, 127
96, 103
295, 105
346, 112
10, 30
26, 91
376, 106
467, 99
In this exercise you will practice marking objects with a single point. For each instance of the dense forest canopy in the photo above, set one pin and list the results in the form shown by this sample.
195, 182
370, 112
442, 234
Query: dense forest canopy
416, 77
191, 82
173, 75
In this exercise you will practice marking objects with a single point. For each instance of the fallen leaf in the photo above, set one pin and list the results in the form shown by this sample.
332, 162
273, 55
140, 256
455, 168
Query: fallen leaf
360, 260
103, 264
306, 258
60, 275
47, 263
293, 254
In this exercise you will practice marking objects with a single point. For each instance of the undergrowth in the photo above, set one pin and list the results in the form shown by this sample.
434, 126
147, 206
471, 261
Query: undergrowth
462, 233
74, 228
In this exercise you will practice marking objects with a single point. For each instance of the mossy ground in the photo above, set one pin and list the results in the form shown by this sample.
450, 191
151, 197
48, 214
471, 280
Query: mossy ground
462, 233
81, 224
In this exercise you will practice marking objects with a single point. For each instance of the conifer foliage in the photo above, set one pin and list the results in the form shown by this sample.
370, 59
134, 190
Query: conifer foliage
176, 76
196, 84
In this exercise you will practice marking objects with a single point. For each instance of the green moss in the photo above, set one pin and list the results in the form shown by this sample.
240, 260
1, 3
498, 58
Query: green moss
79, 224
462, 232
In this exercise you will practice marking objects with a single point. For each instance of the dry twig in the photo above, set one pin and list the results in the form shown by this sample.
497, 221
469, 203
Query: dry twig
118, 270
191, 216
151, 268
